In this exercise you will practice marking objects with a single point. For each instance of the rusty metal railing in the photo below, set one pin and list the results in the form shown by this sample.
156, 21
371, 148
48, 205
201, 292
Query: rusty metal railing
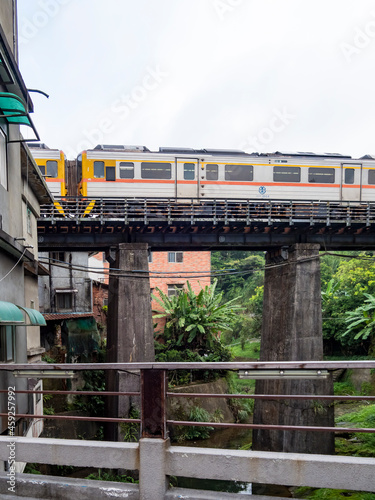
154, 393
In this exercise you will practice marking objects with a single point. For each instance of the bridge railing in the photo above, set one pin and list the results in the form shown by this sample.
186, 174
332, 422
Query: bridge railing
152, 210
155, 459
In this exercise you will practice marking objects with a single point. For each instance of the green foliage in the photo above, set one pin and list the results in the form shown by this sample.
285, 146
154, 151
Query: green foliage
344, 389
198, 414
94, 405
48, 410
32, 469
345, 290
246, 283
170, 352
362, 444
108, 476
48, 359
250, 351
361, 321
241, 408
195, 320
130, 430
327, 494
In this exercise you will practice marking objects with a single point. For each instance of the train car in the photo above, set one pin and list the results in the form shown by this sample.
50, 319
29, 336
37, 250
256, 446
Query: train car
182, 173
51, 163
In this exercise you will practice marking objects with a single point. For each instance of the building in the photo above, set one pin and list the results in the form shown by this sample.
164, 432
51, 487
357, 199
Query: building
171, 270
66, 301
22, 190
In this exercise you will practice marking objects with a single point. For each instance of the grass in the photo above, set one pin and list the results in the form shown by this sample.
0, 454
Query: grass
326, 494
251, 351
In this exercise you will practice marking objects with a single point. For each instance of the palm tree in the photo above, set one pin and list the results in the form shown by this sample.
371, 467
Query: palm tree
196, 320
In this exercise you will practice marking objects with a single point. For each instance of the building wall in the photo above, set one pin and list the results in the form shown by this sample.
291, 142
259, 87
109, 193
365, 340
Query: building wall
192, 262
99, 299
8, 22
67, 278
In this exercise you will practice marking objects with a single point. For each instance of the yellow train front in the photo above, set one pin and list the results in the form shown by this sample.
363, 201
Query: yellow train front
51, 163
183, 173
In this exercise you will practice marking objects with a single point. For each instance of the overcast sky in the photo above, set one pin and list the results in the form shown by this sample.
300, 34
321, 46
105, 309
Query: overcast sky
257, 75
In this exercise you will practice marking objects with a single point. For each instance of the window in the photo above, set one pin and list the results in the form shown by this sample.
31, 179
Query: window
51, 168
175, 256
126, 170
154, 170
286, 174
322, 175
110, 173
371, 176
212, 172
238, 172
28, 220
349, 176
64, 301
150, 256
99, 169
3, 161
189, 171
60, 256
174, 290
7, 344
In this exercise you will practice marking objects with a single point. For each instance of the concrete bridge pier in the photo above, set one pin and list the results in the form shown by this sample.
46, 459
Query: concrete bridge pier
292, 330
130, 336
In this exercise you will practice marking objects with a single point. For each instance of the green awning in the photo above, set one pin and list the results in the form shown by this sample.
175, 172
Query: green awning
36, 319
13, 109
10, 314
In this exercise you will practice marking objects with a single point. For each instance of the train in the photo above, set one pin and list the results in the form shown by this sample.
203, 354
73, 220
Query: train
52, 165
119, 171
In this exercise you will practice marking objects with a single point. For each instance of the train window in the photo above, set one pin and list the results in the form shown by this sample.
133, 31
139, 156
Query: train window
322, 175
51, 168
189, 171
371, 176
126, 170
99, 169
349, 176
212, 172
239, 172
286, 174
155, 170
110, 173
42, 169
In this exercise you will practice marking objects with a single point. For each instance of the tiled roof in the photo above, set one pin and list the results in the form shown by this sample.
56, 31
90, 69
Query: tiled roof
56, 316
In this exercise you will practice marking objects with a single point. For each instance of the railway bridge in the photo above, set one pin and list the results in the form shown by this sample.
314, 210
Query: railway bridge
292, 234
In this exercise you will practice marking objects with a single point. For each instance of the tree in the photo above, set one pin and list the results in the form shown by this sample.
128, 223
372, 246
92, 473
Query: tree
361, 323
345, 290
195, 321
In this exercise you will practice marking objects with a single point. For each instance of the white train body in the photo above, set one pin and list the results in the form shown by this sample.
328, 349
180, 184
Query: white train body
214, 174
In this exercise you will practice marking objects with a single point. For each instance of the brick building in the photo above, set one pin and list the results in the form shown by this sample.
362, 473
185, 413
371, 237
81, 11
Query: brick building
196, 263
174, 269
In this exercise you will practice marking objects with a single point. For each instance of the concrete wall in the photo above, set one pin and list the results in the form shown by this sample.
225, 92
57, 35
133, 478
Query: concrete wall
8, 22
66, 277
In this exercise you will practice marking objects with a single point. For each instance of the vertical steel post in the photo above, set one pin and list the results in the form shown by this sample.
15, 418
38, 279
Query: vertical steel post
153, 396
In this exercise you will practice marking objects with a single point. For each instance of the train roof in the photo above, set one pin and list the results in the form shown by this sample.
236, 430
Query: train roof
298, 153
121, 147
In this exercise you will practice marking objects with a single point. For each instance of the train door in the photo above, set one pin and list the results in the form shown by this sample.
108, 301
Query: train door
351, 182
187, 178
